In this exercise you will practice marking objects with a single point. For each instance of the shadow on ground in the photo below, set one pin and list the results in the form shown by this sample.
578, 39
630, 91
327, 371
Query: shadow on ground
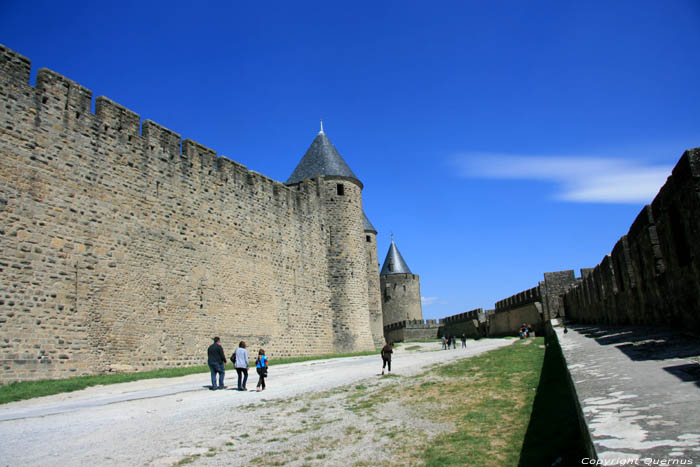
641, 343
554, 436
644, 342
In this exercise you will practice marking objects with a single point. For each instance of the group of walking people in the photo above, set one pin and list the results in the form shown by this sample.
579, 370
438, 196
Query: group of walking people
526, 331
452, 340
217, 362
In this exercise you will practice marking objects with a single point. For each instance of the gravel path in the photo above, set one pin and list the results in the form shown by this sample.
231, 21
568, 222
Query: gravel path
323, 412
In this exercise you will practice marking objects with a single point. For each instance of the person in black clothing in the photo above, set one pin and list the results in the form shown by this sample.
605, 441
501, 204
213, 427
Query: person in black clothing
216, 360
387, 350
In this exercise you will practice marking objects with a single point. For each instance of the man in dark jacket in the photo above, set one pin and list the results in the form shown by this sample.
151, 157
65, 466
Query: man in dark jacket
387, 350
216, 360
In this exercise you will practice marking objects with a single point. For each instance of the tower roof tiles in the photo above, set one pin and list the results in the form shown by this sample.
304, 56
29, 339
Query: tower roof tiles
321, 159
394, 262
367, 224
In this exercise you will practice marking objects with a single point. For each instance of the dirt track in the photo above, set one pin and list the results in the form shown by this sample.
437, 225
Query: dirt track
312, 413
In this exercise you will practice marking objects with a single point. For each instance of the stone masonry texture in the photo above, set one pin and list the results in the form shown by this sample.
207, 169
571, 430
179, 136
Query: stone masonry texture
373, 289
123, 249
400, 298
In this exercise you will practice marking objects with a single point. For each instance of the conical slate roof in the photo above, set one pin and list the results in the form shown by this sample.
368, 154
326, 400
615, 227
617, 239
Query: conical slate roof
368, 225
321, 159
394, 263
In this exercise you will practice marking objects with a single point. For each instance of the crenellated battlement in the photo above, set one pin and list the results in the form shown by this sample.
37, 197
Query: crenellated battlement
652, 275
60, 100
415, 323
466, 316
520, 299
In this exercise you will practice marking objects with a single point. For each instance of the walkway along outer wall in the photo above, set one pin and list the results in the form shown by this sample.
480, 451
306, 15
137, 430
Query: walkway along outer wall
123, 249
652, 275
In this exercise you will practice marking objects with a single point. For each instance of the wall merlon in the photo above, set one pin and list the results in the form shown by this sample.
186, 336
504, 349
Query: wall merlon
201, 157
15, 66
230, 171
688, 166
160, 138
643, 221
117, 117
263, 178
69, 94
623, 264
608, 272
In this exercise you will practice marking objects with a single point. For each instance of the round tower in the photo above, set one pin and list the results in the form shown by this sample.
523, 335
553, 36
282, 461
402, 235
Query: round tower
341, 197
400, 289
376, 322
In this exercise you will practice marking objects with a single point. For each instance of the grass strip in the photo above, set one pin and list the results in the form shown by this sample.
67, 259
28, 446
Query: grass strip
30, 389
487, 399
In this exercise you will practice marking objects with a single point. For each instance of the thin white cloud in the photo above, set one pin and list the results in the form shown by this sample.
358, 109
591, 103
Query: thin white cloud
427, 301
579, 179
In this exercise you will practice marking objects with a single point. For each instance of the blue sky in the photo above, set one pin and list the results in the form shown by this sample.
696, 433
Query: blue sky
496, 140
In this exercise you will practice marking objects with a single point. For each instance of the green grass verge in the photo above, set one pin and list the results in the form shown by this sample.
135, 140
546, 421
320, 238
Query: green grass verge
488, 399
31, 389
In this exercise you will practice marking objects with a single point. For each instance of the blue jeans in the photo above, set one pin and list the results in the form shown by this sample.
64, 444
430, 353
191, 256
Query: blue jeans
217, 368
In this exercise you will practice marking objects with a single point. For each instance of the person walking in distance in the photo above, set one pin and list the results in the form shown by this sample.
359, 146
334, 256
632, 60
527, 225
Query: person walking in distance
387, 350
216, 360
261, 367
240, 362
444, 343
464, 341
454, 342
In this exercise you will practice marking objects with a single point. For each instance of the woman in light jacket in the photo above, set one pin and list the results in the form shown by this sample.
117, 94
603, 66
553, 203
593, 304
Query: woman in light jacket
241, 365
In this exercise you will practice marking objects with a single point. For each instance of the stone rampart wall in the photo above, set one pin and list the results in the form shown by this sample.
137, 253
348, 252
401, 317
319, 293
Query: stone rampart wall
652, 275
468, 323
408, 330
122, 246
507, 323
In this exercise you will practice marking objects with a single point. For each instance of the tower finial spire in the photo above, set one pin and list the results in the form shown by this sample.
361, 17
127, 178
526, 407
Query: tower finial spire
321, 126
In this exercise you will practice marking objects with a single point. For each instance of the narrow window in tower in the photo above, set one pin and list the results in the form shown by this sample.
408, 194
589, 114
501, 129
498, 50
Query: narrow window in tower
367, 238
341, 189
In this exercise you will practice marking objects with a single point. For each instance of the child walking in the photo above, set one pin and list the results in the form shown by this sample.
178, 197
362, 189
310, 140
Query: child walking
261, 368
